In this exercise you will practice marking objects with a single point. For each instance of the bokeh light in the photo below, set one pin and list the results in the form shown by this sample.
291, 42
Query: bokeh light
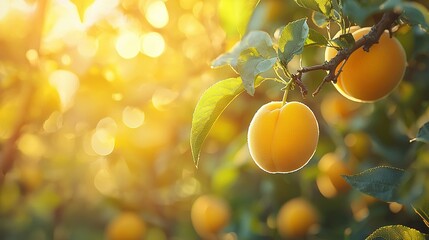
163, 97
157, 14
132, 117
103, 138
66, 83
152, 44
128, 45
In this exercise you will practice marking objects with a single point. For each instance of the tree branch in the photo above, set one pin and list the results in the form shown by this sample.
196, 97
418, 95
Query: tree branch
365, 42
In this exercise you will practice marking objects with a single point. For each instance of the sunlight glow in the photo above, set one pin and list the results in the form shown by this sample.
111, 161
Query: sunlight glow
103, 138
20, 5
128, 45
104, 182
132, 117
62, 24
66, 59
66, 83
98, 10
163, 97
32, 56
190, 26
152, 44
88, 47
31, 145
117, 97
157, 14
102, 142
54, 122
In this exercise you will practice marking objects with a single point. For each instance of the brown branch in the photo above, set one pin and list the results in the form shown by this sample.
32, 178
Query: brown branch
365, 42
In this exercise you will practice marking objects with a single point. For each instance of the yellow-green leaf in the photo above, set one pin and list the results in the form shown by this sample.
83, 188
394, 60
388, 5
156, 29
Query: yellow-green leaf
235, 15
292, 40
210, 106
396, 232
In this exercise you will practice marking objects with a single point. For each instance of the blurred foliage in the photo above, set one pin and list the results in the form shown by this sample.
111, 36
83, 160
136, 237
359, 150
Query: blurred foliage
96, 103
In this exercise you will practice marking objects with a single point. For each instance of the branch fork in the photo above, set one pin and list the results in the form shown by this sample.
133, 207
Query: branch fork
366, 42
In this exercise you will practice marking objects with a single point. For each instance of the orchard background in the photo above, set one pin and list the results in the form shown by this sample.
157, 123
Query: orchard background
96, 111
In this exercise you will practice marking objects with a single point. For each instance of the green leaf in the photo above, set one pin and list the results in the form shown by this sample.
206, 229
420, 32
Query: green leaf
343, 41
81, 6
235, 16
257, 40
322, 6
250, 65
319, 19
292, 40
412, 188
396, 232
337, 7
315, 38
423, 134
253, 55
358, 11
416, 14
380, 182
209, 107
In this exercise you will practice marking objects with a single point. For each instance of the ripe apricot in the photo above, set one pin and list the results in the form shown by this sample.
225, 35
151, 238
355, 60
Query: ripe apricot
127, 225
330, 181
330, 52
209, 215
370, 76
283, 138
336, 108
296, 218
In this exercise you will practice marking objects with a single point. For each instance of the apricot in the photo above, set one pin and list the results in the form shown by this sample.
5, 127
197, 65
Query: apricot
359, 144
209, 215
296, 218
330, 181
128, 225
336, 108
283, 138
330, 52
370, 76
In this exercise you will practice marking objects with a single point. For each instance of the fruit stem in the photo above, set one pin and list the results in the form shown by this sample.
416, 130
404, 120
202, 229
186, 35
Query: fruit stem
286, 89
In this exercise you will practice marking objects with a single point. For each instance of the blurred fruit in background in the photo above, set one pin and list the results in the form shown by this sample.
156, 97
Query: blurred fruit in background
126, 225
330, 181
297, 218
209, 215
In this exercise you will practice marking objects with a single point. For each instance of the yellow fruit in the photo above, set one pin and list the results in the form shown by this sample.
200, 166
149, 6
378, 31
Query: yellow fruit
296, 218
282, 139
330, 181
209, 215
127, 226
370, 76
335, 108
330, 52
359, 144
